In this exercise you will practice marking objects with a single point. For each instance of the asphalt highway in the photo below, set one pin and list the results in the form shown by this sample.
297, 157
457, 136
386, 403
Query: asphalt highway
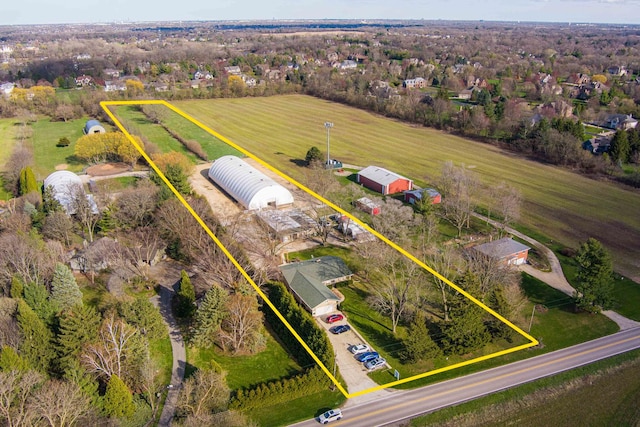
404, 405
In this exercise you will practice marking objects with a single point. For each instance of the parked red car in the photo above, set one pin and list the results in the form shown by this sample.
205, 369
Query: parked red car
335, 318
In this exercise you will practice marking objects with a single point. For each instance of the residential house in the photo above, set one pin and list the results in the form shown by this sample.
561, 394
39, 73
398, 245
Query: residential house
348, 64
617, 70
114, 86
505, 250
111, 72
7, 88
234, 70
84, 80
620, 122
418, 82
309, 282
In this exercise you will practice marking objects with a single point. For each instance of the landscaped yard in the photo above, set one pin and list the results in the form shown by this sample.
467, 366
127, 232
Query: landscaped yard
244, 371
562, 204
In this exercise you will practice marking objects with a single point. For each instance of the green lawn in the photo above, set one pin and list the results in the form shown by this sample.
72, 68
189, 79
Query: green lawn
8, 138
244, 371
214, 147
45, 137
139, 125
162, 353
296, 410
562, 204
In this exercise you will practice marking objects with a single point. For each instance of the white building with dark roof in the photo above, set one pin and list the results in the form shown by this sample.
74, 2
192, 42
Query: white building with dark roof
247, 185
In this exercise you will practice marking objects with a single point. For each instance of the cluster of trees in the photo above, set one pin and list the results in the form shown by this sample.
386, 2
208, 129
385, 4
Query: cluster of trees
109, 146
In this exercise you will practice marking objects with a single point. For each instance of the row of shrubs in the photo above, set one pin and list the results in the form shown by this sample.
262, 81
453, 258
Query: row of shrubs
302, 322
311, 381
282, 390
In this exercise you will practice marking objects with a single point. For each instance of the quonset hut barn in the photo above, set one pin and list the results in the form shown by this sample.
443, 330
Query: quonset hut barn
65, 186
93, 126
248, 186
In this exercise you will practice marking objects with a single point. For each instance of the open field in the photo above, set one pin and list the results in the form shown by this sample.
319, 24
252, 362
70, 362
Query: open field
46, 155
564, 205
603, 393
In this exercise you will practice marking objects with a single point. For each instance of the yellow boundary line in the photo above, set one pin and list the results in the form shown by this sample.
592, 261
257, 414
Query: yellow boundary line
532, 341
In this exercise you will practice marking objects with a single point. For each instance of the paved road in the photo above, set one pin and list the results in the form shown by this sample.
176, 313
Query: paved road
179, 355
409, 404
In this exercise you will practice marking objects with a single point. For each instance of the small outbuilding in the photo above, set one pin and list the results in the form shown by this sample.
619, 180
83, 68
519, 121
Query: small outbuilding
414, 196
309, 281
247, 185
367, 205
505, 250
383, 181
93, 126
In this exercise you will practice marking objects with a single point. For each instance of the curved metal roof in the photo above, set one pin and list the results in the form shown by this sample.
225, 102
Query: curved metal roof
64, 184
247, 185
91, 124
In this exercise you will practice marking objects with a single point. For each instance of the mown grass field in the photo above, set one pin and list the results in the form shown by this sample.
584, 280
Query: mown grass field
562, 204
46, 155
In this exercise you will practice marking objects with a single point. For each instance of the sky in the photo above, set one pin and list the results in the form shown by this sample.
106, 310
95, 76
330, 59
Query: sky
94, 11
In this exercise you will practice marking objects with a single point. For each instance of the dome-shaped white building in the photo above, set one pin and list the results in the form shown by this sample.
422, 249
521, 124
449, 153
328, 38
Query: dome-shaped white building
65, 185
248, 186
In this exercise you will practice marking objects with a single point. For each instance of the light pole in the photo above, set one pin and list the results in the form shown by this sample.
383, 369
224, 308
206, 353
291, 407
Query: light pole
328, 125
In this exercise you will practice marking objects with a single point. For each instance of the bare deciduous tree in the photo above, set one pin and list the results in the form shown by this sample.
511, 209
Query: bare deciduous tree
16, 390
241, 328
60, 403
446, 262
58, 226
28, 257
458, 186
108, 356
202, 394
395, 220
134, 206
395, 287
84, 210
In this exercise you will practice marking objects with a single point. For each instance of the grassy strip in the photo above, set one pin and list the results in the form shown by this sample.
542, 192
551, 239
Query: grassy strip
297, 409
162, 353
138, 124
606, 392
186, 130
560, 203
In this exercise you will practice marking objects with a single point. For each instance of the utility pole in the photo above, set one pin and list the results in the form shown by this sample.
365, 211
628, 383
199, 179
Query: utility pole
328, 125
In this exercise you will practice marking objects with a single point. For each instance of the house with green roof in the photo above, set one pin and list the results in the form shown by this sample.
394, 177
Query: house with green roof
310, 280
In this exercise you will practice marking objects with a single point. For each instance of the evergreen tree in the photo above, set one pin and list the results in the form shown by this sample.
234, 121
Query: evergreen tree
209, 317
594, 286
186, 296
65, 292
49, 202
142, 314
619, 149
11, 361
118, 400
466, 330
36, 348
37, 297
78, 326
17, 288
419, 345
313, 155
87, 383
28, 181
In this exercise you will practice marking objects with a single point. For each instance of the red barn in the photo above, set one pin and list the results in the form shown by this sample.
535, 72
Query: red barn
383, 181
414, 196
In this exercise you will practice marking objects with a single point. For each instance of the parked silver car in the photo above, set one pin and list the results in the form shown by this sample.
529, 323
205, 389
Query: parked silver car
330, 415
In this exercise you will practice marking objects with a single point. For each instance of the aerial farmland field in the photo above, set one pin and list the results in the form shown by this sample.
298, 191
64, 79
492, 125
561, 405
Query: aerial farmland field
561, 204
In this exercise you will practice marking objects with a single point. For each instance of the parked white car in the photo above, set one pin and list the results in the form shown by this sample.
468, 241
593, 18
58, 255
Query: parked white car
359, 348
330, 415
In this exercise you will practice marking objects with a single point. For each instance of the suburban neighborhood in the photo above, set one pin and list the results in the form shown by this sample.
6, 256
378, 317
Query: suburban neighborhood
261, 223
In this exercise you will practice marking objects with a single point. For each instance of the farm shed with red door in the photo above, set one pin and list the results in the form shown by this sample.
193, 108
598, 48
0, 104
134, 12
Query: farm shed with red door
383, 181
